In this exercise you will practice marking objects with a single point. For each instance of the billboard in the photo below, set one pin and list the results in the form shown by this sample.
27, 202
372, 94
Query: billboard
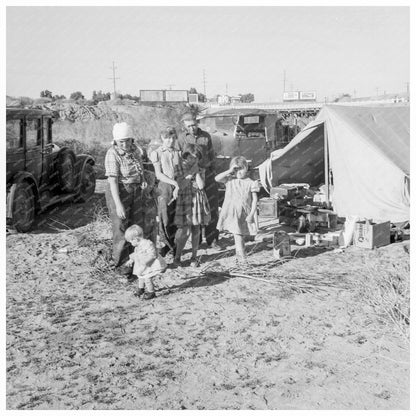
299, 96
307, 95
176, 95
151, 95
291, 96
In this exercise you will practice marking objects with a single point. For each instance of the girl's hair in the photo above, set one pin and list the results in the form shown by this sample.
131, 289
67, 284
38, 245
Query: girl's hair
240, 161
191, 149
134, 231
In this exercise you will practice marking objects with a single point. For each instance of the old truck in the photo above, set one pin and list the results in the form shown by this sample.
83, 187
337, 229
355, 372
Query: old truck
251, 133
39, 173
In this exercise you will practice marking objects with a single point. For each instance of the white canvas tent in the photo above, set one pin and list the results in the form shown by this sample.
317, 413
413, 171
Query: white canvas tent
363, 151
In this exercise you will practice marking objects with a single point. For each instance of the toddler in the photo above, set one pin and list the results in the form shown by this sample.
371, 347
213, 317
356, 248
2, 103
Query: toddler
145, 261
239, 211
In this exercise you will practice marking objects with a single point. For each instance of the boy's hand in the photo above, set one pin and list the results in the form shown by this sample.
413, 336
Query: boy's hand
129, 263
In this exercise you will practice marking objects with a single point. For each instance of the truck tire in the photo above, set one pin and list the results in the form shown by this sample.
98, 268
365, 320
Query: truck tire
87, 186
23, 210
66, 171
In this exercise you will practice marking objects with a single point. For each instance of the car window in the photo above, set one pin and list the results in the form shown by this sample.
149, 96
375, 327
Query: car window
47, 130
33, 133
13, 134
225, 123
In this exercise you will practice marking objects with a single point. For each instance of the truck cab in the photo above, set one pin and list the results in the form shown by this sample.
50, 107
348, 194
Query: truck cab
251, 133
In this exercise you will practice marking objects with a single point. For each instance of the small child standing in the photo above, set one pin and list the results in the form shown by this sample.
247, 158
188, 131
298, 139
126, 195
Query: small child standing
239, 211
145, 261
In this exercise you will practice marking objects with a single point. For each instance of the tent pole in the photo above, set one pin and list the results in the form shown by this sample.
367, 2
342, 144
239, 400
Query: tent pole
326, 165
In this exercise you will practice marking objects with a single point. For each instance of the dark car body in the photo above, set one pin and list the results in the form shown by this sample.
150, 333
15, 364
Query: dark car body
38, 173
251, 133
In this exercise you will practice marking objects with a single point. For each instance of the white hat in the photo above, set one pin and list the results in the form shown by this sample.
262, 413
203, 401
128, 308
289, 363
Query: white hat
122, 131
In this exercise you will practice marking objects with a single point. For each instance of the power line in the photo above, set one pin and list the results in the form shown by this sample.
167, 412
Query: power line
114, 79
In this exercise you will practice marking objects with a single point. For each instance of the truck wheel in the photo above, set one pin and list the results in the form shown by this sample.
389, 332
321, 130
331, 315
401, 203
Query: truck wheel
66, 171
23, 210
87, 188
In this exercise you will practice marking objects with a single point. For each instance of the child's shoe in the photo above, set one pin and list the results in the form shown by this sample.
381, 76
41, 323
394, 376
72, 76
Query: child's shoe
149, 295
139, 292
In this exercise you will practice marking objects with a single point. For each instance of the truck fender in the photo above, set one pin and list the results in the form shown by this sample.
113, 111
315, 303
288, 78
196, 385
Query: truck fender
81, 161
11, 188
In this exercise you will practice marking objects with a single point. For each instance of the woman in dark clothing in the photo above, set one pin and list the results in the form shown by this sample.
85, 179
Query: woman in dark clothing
124, 192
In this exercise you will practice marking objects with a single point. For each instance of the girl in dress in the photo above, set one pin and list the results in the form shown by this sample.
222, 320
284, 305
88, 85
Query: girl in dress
192, 208
239, 211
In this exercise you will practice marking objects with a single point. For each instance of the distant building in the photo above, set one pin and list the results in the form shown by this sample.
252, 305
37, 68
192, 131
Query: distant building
236, 100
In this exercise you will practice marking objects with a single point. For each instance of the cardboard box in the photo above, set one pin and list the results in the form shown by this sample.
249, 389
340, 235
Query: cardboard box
287, 192
370, 235
268, 207
331, 238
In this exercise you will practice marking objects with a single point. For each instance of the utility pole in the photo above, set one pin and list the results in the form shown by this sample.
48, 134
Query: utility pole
114, 79
204, 81
284, 80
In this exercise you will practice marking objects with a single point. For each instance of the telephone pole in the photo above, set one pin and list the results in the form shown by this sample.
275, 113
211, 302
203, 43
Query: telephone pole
204, 81
114, 79
284, 80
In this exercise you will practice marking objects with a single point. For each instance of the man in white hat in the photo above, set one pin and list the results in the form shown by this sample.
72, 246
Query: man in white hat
126, 181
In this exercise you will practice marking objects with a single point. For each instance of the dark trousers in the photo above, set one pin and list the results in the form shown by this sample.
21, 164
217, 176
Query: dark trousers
211, 189
166, 211
131, 198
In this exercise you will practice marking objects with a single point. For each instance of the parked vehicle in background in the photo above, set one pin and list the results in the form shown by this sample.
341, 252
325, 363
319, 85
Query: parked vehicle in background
39, 173
251, 133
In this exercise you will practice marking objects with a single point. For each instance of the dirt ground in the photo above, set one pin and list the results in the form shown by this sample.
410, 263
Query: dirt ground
77, 338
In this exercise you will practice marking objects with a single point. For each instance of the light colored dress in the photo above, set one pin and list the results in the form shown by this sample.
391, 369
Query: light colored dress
146, 248
237, 206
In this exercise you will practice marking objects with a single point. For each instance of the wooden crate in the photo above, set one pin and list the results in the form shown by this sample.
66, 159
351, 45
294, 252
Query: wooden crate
268, 208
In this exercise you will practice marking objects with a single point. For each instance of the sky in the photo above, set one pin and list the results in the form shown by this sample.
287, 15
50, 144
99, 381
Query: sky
361, 51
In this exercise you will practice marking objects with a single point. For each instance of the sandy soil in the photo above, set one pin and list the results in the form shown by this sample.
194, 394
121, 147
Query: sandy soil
77, 338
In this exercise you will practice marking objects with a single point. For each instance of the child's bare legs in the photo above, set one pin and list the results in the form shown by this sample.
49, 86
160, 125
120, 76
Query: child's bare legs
181, 237
140, 290
196, 233
240, 248
148, 284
